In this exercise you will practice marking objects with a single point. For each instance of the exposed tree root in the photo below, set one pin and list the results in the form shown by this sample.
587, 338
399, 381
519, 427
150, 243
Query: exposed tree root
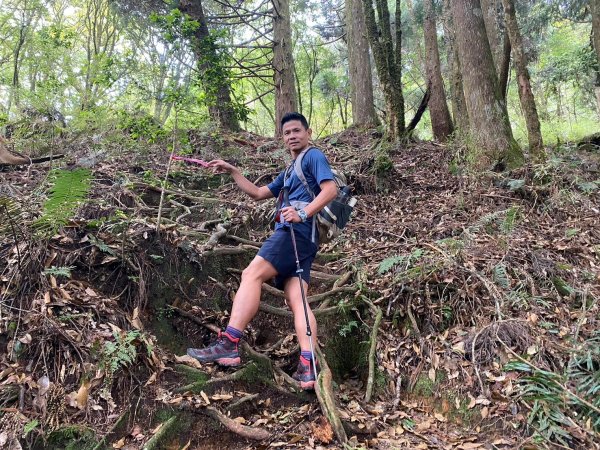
372, 353
324, 390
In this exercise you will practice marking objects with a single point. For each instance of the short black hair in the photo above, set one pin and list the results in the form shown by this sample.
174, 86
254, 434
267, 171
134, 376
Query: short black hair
294, 116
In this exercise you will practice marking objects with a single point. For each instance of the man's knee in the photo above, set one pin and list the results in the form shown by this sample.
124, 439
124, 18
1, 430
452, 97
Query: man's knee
258, 270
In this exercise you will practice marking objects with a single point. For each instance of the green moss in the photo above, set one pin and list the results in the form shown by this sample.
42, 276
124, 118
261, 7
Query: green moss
72, 437
346, 352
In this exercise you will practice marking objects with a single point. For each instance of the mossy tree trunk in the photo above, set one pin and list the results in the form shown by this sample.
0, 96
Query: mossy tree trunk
457, 96
536, 145
213, 76
489, 127
595, 10
388, 60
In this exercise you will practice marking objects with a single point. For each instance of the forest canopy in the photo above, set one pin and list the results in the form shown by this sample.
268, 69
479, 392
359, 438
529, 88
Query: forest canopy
98, 63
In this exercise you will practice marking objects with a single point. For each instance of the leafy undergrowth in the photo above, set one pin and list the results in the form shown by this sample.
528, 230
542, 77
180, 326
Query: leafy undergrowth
488, 285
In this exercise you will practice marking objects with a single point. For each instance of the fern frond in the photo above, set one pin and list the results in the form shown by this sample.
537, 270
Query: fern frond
388, 263
511, 219
68, 189
501, 276
11, 215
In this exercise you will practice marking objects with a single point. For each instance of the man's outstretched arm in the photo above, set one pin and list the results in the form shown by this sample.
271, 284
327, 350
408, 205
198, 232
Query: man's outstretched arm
247, 186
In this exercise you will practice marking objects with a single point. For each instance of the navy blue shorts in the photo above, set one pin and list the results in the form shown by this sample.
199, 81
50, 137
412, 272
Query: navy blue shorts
279, 251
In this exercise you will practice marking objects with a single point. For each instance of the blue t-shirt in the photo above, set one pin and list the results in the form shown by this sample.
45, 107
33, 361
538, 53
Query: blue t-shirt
316, 170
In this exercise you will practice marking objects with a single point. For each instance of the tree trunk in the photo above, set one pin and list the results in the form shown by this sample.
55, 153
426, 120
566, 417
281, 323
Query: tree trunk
441, 123
595, 10
489, 127
359, 65
387, 61
213, 76
457, 96
504, 67
536, 146
283, 62
489, 8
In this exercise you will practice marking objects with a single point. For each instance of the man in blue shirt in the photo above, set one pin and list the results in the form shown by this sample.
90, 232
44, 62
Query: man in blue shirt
276, 258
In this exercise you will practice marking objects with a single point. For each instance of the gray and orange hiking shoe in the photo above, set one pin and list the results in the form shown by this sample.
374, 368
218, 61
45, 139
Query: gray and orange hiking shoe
223, 351
305, 374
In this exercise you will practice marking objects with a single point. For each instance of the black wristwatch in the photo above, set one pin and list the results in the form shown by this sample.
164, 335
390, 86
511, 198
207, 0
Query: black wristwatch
302, 215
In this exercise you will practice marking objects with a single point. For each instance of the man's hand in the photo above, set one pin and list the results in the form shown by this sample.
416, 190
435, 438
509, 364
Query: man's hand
220, 166
290, 214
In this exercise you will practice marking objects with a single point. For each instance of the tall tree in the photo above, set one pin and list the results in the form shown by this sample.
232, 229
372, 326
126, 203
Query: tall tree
387, 53
213, 75
457, 96
595, 10
536, 146
441, 123
489, 126
498, 39
359, 65
283, 62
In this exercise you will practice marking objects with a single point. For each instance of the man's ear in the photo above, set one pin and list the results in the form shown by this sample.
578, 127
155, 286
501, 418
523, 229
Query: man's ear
309, 131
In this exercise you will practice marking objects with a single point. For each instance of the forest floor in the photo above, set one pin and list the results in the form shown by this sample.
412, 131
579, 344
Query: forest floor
487, 287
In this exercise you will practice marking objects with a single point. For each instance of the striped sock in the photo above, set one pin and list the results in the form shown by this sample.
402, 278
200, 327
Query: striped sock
307, 355
234, 332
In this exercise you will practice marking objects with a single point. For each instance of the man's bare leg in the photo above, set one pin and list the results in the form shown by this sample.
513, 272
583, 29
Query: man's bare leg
247, 297
305, 373
225, 349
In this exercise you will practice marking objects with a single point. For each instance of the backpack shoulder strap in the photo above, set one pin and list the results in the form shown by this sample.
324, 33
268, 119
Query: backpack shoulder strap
300, 172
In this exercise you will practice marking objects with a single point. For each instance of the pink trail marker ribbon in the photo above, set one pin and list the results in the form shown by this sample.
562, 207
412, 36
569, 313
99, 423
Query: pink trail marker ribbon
200, 162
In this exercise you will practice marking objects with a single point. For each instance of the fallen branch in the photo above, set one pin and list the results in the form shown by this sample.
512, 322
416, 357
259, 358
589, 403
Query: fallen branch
247, 432
215, 237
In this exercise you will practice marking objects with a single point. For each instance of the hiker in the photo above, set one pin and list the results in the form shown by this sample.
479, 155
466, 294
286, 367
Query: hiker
276, 258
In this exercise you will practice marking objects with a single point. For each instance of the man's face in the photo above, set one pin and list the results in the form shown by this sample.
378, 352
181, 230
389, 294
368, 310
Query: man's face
295, 136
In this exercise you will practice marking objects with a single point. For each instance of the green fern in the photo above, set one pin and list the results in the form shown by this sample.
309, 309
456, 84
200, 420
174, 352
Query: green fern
388, 263
68, 189
59, 271
11, 215
501, 276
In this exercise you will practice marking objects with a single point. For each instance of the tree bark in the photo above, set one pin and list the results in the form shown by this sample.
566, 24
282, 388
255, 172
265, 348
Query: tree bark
457, 96
441, 123
536, 146
595, 10
489, 8
388, 62
489, 126
359, 65
283, 62
213, 76
504, 67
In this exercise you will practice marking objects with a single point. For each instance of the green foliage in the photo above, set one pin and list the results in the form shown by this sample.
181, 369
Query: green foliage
140, 125
561, 400
59, 271
347, 328
118, 354
501, 276
11, 216
30, 426
389, 263
67, 191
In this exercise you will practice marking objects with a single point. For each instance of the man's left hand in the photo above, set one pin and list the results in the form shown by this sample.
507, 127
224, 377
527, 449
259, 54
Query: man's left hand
290, 214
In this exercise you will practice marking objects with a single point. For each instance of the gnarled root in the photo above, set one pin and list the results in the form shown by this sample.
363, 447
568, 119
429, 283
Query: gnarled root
324, 390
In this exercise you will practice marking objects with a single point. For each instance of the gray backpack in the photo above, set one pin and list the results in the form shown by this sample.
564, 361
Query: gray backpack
333, 218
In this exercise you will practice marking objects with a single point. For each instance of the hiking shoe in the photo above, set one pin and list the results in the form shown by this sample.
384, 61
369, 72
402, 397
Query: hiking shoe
223, 351
305, 374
